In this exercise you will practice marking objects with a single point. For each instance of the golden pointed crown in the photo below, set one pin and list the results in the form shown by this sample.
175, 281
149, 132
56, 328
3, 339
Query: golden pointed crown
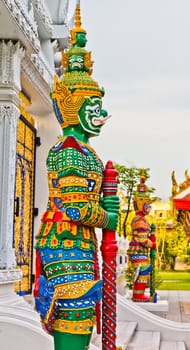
77, 47
70, 92
142, 194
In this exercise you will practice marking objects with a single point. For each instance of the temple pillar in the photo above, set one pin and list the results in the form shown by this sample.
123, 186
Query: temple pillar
18, 320
11, 54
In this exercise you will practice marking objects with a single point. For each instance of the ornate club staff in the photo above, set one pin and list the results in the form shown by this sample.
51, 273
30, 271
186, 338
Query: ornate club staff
152, 274
109, 250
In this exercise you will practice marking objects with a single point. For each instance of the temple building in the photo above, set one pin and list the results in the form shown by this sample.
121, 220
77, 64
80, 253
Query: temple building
32, 33
181, 201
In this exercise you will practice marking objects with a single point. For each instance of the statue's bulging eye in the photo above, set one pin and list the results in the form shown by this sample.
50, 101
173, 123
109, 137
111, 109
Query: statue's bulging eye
97, 110
80, 59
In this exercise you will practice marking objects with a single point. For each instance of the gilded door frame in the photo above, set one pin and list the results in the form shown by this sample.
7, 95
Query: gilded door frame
24, 202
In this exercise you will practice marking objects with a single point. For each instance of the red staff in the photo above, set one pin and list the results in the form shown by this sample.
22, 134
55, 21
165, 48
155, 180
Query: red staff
109, 250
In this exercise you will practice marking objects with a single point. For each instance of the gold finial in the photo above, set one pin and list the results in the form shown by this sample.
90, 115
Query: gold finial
78, 22
77, 25
143, 178
142, 187
174, 184
187, 174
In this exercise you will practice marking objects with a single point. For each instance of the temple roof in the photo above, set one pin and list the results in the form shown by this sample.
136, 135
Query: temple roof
182, 200
184, 194
181, 192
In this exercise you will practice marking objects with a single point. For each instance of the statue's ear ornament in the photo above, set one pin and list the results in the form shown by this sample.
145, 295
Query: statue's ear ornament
88, 62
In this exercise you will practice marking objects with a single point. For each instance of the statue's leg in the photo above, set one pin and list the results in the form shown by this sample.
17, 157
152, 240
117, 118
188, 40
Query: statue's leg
76, 317
68, 341
139, 292
140, 284
141, 280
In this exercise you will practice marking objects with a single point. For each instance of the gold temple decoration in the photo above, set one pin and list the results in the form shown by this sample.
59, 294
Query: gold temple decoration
179, 188
24, 198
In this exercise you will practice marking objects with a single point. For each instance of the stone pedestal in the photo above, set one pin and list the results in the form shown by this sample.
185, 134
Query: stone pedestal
20, 326
8, 296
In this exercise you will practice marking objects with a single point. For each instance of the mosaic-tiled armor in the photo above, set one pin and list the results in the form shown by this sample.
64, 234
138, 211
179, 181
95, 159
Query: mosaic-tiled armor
68, 286
142, 241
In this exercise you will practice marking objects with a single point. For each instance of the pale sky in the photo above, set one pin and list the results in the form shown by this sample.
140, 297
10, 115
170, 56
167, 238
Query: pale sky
141, 54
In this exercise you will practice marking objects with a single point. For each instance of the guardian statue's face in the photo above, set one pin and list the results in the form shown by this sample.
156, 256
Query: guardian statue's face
92, 116
142, 205
146, 208
75, 62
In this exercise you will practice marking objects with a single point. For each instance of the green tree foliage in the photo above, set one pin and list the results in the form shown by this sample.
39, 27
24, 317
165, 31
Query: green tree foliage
175, 245
186, 256
128, 181
129, 276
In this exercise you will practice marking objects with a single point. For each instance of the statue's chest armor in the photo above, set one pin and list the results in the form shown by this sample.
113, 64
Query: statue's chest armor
73, 159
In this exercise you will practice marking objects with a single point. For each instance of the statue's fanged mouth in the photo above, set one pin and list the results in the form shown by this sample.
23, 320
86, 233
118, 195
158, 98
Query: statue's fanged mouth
100, 121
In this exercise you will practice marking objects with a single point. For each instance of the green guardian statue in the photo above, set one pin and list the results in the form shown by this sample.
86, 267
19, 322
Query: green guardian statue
68, 286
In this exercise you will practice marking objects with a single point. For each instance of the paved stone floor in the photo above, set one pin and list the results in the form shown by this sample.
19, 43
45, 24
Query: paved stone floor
178, 305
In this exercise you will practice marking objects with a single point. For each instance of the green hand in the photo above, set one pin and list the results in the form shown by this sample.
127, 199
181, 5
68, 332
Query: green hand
112, 223
110, 204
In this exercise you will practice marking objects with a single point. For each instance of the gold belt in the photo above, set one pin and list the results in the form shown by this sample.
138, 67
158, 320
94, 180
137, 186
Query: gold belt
74, 327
